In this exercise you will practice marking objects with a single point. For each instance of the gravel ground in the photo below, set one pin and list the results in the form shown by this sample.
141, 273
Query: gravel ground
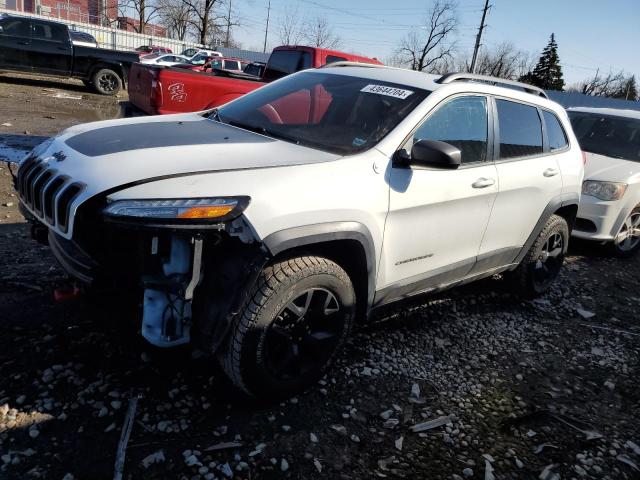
472, 383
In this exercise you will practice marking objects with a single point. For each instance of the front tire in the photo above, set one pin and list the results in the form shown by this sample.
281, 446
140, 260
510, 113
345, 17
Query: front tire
542, 263
627, 242
296, 319
106, 82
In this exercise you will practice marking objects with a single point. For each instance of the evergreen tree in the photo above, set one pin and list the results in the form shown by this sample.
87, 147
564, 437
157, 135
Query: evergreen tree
547, 73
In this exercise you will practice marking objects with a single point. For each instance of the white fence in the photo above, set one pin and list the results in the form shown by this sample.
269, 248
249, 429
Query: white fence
114, 38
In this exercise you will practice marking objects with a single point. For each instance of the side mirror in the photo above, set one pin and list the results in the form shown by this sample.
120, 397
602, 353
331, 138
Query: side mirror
435, 154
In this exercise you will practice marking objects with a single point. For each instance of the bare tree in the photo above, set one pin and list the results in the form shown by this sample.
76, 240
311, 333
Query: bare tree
319, 33
610, 85
505, 61
290, 27
177, 17
203, 18
145, 11
425, 48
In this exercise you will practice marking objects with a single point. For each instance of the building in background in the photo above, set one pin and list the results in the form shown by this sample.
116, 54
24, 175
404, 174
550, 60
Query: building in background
97, 12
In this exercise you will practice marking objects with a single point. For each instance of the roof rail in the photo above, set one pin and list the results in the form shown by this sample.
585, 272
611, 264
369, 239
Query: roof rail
472, 77
351, 64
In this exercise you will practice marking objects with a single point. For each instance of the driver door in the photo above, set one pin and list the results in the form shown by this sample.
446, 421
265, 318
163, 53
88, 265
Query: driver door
437, 217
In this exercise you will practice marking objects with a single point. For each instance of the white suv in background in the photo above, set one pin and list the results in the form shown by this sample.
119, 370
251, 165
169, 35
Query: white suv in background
264, 229
610, 206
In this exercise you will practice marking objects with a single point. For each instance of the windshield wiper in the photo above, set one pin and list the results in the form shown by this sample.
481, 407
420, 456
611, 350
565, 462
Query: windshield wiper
265, 131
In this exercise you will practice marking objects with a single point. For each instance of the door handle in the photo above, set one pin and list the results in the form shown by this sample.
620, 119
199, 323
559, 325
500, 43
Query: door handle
483, 182
23, 43
551, 172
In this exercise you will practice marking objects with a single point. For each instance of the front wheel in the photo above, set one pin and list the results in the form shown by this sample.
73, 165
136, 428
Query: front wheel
542, 263
106, 82
299, 313
627, 242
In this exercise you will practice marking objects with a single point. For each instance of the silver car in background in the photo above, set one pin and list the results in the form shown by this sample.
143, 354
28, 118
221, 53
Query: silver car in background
610, 205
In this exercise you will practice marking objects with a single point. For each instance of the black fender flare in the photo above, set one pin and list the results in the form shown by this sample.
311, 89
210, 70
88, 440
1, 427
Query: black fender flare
564, 200
309, 235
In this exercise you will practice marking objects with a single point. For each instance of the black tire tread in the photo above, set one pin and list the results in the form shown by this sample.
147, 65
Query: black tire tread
273, 277
521, 275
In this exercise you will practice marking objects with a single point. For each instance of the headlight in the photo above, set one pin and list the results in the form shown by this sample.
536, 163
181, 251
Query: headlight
188, 210
604, 190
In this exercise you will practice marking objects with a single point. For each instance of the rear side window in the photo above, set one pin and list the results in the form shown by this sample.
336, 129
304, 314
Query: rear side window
520, 130
461, 122
15, 27
284, 62
555, 132
232, 65
50, 31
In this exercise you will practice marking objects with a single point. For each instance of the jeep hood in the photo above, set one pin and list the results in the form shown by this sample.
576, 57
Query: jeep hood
112, 155
601, 167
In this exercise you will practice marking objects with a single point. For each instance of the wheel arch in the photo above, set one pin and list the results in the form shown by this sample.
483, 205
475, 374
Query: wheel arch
349, 244
565, 205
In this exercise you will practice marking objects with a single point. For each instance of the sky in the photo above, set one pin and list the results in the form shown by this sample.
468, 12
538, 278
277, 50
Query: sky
591, 34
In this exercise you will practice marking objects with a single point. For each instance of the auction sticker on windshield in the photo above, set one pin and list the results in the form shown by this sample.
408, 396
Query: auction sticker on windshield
388, 91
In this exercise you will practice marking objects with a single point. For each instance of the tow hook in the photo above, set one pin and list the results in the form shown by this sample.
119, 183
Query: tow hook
166, 318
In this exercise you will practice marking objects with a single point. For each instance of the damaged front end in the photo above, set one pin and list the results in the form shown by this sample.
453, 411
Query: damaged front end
191, 261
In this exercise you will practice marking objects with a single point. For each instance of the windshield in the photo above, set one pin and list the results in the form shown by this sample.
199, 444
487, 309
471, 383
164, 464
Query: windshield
608, 135
335, 113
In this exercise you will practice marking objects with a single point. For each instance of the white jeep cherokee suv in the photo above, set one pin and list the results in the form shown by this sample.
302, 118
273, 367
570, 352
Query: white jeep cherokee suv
610, 206
262, 230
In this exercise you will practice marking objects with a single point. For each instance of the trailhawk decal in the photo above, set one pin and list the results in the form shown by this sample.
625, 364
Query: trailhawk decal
388, 91
177, 93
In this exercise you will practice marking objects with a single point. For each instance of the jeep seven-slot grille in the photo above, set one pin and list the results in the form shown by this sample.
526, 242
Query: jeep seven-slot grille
47, 194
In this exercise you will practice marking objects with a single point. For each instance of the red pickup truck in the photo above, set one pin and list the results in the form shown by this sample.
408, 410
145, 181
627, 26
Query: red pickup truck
161, 90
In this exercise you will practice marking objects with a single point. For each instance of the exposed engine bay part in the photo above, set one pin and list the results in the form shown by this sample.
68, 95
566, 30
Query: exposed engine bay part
167, 310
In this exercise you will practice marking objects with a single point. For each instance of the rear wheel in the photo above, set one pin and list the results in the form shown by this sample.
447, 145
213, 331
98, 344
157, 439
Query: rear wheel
627, 241
542, 264
298, 315
106, 82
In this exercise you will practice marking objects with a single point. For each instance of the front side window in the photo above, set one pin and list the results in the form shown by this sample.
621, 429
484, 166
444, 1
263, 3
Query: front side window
520, 130
16, 27
336, 113
555, 132
334, 58
461, 122
608, 135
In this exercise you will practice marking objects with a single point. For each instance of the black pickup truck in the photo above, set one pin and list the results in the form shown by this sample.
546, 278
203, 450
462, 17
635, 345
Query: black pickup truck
43, 47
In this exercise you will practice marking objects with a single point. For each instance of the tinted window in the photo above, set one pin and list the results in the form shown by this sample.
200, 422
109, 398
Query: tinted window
50, 31
333, 58
463, 123
555, 132
284, 62
608, 135
331, 112
16, 27
232, 65
520, 130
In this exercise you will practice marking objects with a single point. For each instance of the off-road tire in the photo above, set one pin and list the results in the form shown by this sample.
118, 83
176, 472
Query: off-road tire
106, 82
523, 278
243, 357
616, 251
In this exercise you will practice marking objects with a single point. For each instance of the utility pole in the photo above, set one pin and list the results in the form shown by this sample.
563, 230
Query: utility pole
479, 36
266, 30
226, 43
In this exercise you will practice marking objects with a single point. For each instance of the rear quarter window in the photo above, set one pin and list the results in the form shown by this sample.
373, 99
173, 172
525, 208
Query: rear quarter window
520, 130
555, 132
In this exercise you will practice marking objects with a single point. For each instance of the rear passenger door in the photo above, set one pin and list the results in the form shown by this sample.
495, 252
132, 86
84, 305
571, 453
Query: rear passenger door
51, 50
529, 177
